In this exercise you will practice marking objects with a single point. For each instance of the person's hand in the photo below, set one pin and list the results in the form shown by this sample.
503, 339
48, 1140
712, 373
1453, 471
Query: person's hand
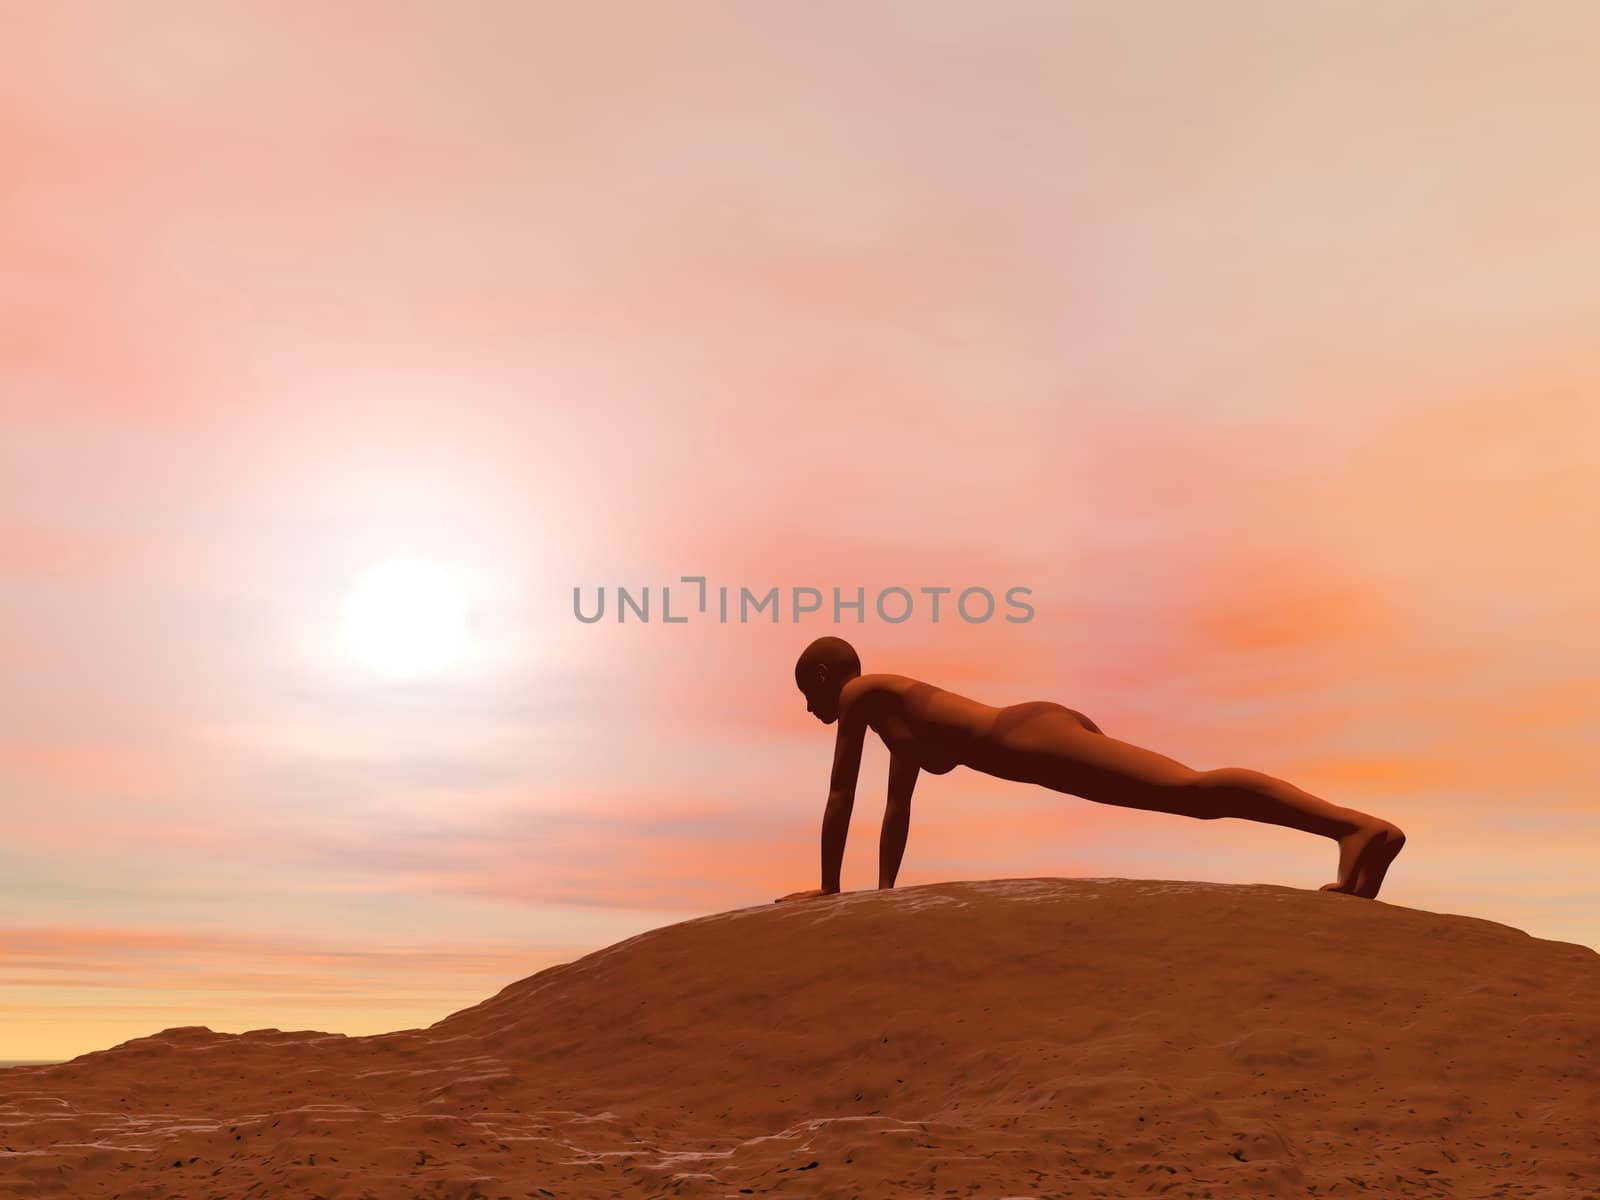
805, 895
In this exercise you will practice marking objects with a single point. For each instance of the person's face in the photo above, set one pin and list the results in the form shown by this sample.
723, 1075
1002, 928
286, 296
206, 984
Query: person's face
822, 698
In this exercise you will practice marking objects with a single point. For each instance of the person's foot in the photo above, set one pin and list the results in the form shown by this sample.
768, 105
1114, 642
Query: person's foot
1364, 857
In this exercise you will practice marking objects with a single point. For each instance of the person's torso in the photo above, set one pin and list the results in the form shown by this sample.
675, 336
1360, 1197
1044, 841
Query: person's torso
934, 728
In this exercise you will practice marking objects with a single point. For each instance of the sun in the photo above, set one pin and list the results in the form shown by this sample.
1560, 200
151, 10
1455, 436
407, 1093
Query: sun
406, 618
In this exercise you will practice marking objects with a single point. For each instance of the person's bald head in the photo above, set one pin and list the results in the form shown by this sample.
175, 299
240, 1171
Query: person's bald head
824, 667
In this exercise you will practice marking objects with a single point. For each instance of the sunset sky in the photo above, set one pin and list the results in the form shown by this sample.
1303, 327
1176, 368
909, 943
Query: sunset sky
1259, 341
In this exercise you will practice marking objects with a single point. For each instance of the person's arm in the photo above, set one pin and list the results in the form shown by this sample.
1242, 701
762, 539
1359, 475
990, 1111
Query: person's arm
896, 818
841, 797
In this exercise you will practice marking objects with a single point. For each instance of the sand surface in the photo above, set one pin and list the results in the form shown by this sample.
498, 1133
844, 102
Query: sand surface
1008, 1038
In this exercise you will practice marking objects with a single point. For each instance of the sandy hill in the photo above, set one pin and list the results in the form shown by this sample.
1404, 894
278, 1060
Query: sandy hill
1008, 1038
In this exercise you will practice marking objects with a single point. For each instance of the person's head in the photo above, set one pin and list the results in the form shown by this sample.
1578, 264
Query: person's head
824, 667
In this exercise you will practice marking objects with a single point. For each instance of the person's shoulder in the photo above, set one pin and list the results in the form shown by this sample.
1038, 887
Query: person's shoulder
864, 691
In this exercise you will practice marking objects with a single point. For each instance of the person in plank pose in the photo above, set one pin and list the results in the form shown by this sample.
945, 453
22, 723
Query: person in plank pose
929, 729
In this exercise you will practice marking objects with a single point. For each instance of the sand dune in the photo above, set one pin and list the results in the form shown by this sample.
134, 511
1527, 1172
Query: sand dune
1009, 1038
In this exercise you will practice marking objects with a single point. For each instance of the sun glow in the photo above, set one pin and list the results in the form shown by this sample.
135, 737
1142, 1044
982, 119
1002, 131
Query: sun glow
406, 617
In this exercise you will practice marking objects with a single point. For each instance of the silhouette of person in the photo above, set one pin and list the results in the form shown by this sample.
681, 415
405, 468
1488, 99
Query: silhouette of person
929, 729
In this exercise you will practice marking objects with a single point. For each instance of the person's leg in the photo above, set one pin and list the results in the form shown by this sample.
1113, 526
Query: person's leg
1367, 844
1236, 792
1054, 749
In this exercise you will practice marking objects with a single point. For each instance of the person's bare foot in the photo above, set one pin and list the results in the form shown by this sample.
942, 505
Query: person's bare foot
1364, 858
